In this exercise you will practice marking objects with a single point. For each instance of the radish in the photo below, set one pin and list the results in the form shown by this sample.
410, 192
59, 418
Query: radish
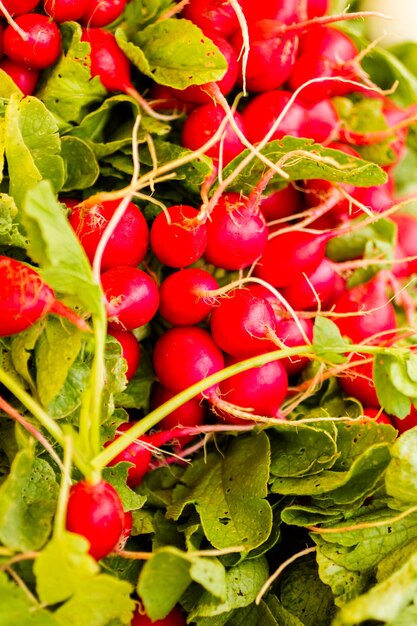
108, 61
263, 110
211, 16
410, 421
127, 245
237, 233
94, 510
371, 312
65, 10
289, 255
42, 47
272, 55
407, 239
314, 290
22, 76
242, 324
286, 11
19, 7
198, 93
174, 618
288, 332
358, 383
191, 413
202, 123
102, 12
132, 297
126, 532
26, 299
180, 301
260, 390
177, 237
130, 350
184, 355
379, 416
280, 204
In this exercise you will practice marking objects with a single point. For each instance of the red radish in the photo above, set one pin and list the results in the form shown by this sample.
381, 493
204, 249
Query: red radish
279, 204
185, 355
102, 12
320, 121
198, 93
237, 233
407, 239
130, 350
65, 10
289, 255
43, 46
378, 415
288, 331
127, 245
242, 324
272, 55
215, 16
328, 42
202, 123
26, 299
264, 109
371, 312
2, 29
308, 67
376, 198
180, 301
127, 530
132, 297
178, 239
259, 389
19, 7
174, 618
284, 10
108, 61
316, 8
22, 76
358, 383
314, 290
94, 510
166, 99
191, 413
404, 424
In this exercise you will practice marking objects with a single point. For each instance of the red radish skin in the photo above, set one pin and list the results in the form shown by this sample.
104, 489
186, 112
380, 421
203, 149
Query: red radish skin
407, 240
358, 383
378, 415
180, 241
211, 16
289, 333
174, 618
132, 297
43, 46
22, 76
280, 204
404, 424
180, 301
189, 414
286, 11
185, 355
372, 313
197, 93
202, 123
100, 13
26, 299
263, 110
139, 455
65, 10
261, 390
271, 58
237, 233
242, 324
130, 350
96, 512
127, 245
329, 42
19, 7
313, 291
289, 255
108, 61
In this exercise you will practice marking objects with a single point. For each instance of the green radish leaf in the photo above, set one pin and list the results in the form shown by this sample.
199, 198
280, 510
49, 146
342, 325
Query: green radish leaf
57, 338
309, 515
67, 403
82, 169
165, 577
116, 476
326, 338
385, 600
381, 235
141, 13
54, 245
32, 147
303, 159
401, 474
355, 437
385, 70
280, 613
174, 52
344, 583
394, 560
17, 608
243, 582
68, 90
390, 394
11, 232
27, 502
7, 86
22, 348
138, 391
303, 594
230, 496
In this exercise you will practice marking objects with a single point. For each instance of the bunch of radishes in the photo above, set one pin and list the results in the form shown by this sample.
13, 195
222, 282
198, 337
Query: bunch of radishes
273, 246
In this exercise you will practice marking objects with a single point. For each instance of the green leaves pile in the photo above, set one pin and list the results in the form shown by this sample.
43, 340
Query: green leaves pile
329, 495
